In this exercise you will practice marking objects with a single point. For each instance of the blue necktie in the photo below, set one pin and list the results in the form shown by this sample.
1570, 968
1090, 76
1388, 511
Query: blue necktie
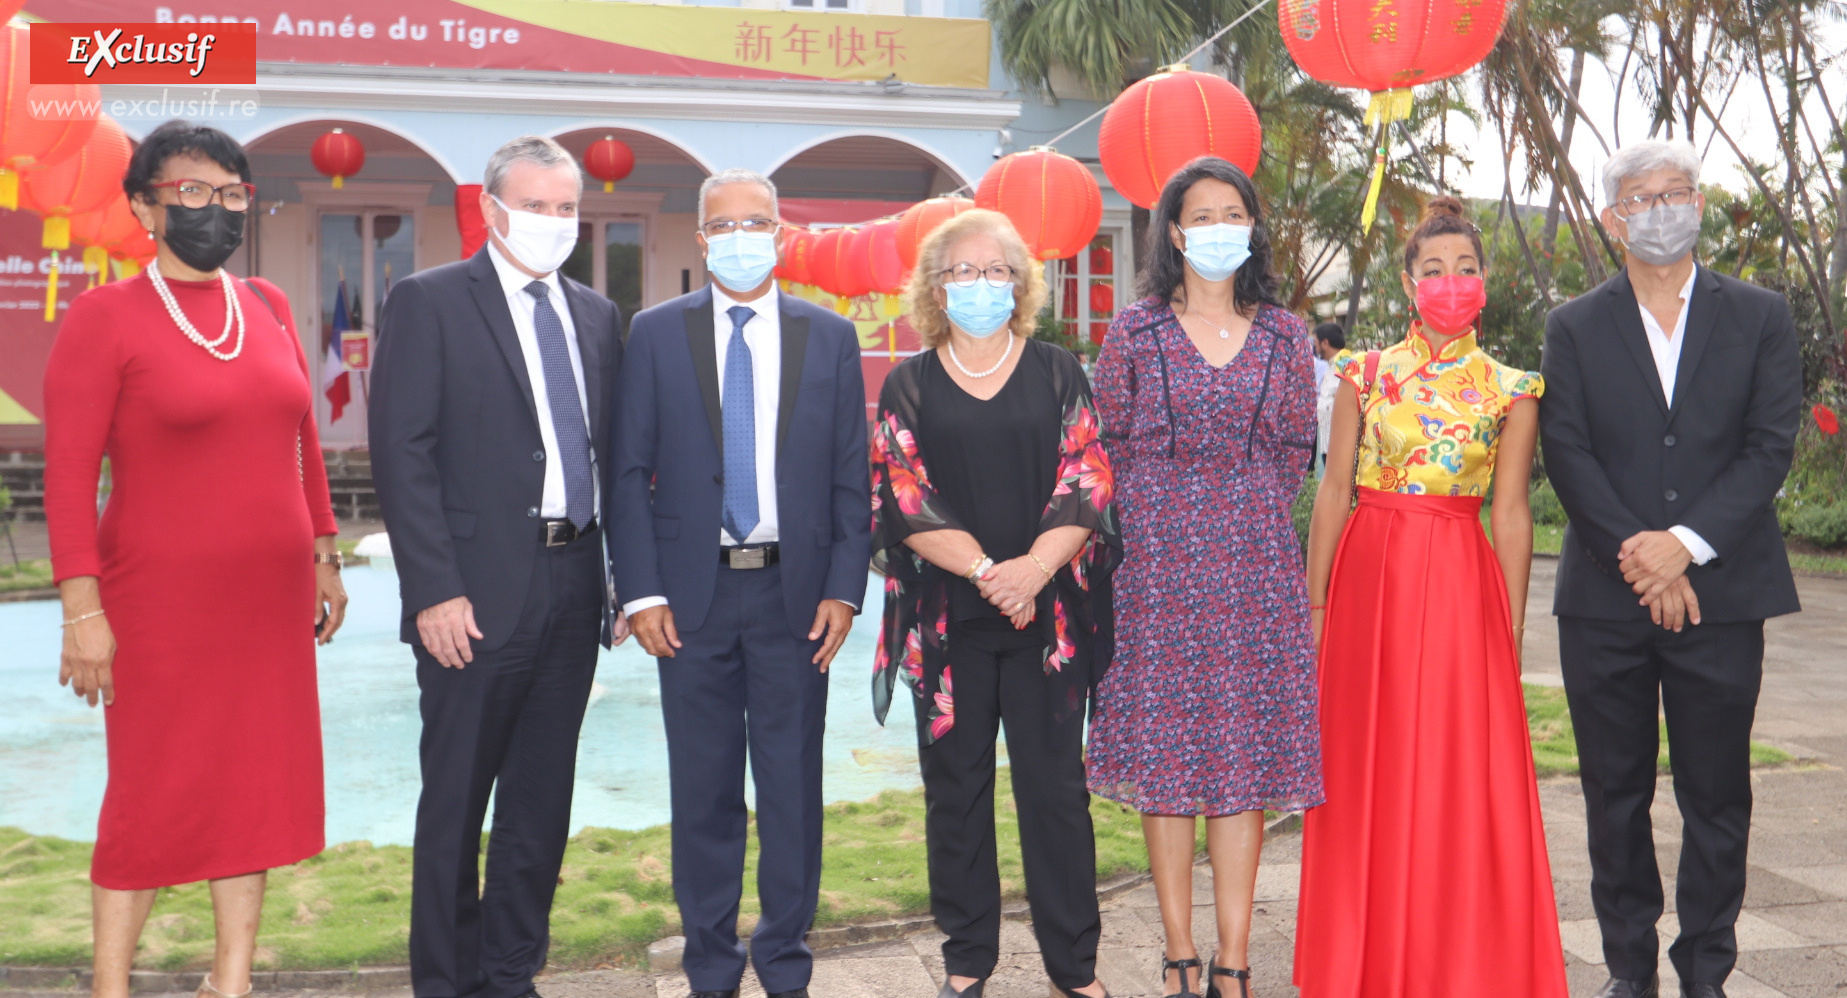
567, 408
740, 407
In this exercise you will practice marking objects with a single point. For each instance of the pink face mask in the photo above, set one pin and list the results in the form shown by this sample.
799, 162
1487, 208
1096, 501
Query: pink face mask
1449, 305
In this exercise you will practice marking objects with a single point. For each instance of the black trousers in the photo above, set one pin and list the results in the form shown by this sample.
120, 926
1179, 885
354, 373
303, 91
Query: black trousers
1618, 674
742, 683
508, 723
998, 678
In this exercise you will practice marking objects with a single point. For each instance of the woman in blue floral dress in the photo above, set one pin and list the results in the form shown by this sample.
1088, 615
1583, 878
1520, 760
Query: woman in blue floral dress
1205, 389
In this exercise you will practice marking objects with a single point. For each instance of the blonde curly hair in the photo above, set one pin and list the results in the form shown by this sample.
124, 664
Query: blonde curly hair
920, 302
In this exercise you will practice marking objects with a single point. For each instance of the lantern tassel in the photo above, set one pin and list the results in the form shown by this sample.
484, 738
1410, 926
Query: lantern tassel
609, 187
56, 232
891, 341
338, 181
1386, 107
51, 290
96, 264
9, 189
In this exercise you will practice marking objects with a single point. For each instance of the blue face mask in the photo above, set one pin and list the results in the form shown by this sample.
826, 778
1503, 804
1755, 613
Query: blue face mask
740, 260
1215, 252
981, 309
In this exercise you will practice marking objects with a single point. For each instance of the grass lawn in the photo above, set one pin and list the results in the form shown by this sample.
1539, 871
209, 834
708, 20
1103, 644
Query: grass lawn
349, 906
29, 575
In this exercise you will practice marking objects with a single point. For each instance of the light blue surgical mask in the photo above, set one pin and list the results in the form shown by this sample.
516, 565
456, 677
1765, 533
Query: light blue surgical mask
980, 309
740, 260
1215, 252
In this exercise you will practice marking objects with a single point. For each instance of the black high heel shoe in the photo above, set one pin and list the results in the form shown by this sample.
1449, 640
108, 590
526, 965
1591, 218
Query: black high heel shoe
1069, 993
1182, 966
972, 991
1243, 978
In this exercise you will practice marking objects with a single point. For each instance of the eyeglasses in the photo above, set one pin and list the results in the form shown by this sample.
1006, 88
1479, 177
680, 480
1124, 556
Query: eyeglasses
963, 275
198, 194
754, 226
1638, 203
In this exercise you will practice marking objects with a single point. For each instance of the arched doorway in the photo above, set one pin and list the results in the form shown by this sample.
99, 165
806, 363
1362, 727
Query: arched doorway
336, 251
864, 168
635, 243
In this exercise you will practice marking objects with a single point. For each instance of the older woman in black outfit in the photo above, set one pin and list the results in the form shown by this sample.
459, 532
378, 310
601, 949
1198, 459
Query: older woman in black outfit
992, 525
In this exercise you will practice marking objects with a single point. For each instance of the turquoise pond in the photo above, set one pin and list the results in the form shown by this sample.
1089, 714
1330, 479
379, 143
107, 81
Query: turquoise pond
52, 764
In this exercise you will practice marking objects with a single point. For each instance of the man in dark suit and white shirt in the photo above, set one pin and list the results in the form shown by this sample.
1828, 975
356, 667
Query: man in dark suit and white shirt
741, 542
490, 408
1672, 399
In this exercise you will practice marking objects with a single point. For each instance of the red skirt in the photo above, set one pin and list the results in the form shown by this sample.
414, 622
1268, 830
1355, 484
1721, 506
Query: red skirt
1425, 873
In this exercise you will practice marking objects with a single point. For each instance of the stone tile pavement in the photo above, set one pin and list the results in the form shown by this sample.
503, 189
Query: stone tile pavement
1792, 934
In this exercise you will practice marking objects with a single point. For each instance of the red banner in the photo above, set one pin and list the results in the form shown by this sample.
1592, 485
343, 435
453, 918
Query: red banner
116, 52
25, 336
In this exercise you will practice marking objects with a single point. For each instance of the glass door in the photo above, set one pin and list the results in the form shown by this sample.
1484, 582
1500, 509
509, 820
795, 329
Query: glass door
608, 258
361, 254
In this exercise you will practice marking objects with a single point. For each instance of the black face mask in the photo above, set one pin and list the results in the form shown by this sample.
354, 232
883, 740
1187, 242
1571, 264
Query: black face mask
204, 238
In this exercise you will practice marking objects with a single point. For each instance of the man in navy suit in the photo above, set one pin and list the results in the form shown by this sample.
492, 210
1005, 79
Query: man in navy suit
741, 540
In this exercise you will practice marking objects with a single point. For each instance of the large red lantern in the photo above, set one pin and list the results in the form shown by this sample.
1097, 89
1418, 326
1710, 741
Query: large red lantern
1387, 47
338, 154
609, 159
824, 260
921, 219
1166, 121
874, 254
28, 141
99, 232
77, 184
1051, 199
849, 281
796, 263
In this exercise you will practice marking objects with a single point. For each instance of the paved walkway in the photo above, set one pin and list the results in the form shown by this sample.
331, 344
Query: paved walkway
1792, 934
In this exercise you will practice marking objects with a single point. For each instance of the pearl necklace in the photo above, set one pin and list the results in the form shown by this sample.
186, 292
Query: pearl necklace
982, 374
233, 311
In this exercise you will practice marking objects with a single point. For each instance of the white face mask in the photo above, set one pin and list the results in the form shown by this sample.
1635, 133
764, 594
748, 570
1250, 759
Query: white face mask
541, 243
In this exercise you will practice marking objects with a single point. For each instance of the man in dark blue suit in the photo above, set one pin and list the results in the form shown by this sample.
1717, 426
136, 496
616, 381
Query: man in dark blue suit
741, 540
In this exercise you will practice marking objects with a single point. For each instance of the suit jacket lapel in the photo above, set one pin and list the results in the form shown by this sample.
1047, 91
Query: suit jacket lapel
590, 353
794, 351
699, 340
1703, 305
492, 300
1627, 314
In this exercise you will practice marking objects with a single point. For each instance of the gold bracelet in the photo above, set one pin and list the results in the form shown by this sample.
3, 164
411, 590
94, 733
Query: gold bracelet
1041, 564
83, 616
979, 568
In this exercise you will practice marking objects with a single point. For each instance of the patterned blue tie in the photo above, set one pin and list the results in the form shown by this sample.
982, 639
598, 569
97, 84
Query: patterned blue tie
740, 406
567, 408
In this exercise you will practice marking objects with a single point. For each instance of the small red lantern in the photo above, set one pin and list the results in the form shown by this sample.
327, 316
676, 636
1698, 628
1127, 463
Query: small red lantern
797, 263
875, 262
1102, 298
1051, 199
609, 159
921, 219
849, 281
1166, 121
824, 261
1102, 260
339, 155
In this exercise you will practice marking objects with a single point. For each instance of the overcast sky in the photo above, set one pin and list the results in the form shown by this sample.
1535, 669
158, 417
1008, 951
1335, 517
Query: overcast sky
1745, 118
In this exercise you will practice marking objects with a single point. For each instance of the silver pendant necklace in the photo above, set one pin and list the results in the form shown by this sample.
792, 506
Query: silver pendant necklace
982, 374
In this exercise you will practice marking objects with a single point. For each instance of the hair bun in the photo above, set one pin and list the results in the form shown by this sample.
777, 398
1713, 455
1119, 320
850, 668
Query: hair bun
1444, 204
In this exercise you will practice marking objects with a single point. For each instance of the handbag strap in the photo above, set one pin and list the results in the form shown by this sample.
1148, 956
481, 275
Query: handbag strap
301, 474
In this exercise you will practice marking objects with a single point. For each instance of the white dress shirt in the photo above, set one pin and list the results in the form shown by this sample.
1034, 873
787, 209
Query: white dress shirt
522, 305
1666, 347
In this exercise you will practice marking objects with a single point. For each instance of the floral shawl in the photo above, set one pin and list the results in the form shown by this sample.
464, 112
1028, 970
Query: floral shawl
1074, 609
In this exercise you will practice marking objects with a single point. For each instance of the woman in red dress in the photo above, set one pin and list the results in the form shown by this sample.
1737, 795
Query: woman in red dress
188, 606
1425, 873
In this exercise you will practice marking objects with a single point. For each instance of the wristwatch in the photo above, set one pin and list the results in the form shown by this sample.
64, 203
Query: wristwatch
337, 560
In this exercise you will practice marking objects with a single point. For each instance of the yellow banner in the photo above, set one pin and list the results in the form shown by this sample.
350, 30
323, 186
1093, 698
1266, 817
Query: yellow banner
935, 51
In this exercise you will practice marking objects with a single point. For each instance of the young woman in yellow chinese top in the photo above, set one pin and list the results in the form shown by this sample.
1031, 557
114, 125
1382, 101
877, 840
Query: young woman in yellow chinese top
1425, 873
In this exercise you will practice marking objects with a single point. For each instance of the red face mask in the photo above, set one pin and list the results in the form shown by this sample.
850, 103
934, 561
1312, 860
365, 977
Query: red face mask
1450, 304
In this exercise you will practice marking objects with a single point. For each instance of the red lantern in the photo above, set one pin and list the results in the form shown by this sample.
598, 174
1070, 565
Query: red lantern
609, 159
874, 254
1051, 199
1166, 121
338, 154
1102, 298
1387, 47
85, 182
470, 224
849, 281
27, 141
921, 219
796, 265
824, 261
136, 250
1102, 260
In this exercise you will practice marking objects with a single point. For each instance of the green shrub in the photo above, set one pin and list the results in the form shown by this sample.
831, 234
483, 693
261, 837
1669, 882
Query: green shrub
1302, 510
1822, 526
1547, 510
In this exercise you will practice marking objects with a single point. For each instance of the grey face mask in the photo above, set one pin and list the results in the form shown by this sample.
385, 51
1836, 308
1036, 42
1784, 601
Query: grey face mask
1664, 233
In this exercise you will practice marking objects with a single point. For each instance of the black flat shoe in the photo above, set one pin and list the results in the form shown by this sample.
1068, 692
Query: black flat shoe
1701, 990
1069, 993
1617, 987
972, 991
1243, 977
797, 993
733, 993
1182, 966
